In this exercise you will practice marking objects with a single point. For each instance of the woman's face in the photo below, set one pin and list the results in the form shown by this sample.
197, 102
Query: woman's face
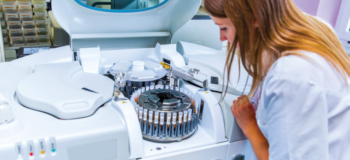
227, 30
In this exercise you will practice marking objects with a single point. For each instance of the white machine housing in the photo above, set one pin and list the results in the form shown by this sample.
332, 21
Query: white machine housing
112, 131
343, 25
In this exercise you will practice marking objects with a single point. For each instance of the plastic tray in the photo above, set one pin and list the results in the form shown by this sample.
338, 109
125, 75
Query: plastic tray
18, 43
13, 21
15, 29
11, 13
31, 42
16, 37
9, 5
28, 21
43, 35
42, 28
29, 29
30, 36
25, 13
41, 20
40, 12
24, 5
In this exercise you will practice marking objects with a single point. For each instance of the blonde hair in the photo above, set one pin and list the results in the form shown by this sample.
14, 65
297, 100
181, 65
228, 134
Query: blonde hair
283, 28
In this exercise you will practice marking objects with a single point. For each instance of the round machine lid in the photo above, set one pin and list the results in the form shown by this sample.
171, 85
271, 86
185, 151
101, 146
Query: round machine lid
134, 74
80, 20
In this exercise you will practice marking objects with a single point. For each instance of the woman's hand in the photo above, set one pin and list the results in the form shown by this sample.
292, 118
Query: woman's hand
244, 114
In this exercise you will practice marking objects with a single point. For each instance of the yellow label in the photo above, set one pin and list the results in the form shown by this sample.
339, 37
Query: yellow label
123, 102
206, 92
165, 65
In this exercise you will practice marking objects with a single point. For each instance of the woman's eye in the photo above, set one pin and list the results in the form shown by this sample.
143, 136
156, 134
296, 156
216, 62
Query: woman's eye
223, 29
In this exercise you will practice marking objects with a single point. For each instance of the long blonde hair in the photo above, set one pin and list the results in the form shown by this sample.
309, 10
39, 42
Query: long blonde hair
283, 28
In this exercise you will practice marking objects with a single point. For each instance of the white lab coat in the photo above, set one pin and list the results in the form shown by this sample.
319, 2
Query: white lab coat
304, 110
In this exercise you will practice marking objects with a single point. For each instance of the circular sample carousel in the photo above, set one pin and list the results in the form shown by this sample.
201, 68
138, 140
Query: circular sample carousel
165, 115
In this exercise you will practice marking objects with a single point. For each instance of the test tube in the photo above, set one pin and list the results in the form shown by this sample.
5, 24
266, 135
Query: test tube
173, 132
166, 87
189, 118
184, 126
179, 131
152, 86
168, 118
140, 117
137, 111
145, 124
147, 88
140, 113
150, 120
161, 122
160, 85
143, 89
139, 91
180, 118
155, 127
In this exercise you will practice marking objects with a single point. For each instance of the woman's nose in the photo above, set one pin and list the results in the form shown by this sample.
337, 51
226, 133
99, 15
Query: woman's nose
223, 37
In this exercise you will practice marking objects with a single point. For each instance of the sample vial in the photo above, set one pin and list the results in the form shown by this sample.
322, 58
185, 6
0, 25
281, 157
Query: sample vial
168, 118
140, 113
145, 111
156, 119
150, 120
161, 124
173, 132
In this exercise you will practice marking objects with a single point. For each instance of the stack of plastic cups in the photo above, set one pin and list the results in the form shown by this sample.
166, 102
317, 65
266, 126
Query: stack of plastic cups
139, 91
147, 88
160, 85
143, 89
151, 87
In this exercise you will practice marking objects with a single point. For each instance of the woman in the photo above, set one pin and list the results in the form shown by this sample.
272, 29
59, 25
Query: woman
302, 71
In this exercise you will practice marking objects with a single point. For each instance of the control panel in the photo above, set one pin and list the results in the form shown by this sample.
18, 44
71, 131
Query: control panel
36, 148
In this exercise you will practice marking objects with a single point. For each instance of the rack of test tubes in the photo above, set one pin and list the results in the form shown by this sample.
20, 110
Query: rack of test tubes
24, 23
166, 113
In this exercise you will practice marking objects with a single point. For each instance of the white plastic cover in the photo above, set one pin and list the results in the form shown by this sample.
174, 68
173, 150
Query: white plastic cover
79, 21
64, 90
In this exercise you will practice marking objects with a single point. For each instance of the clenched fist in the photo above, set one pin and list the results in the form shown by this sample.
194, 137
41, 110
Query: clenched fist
244, 113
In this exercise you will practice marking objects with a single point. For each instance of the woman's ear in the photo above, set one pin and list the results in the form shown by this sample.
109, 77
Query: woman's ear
256, 24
